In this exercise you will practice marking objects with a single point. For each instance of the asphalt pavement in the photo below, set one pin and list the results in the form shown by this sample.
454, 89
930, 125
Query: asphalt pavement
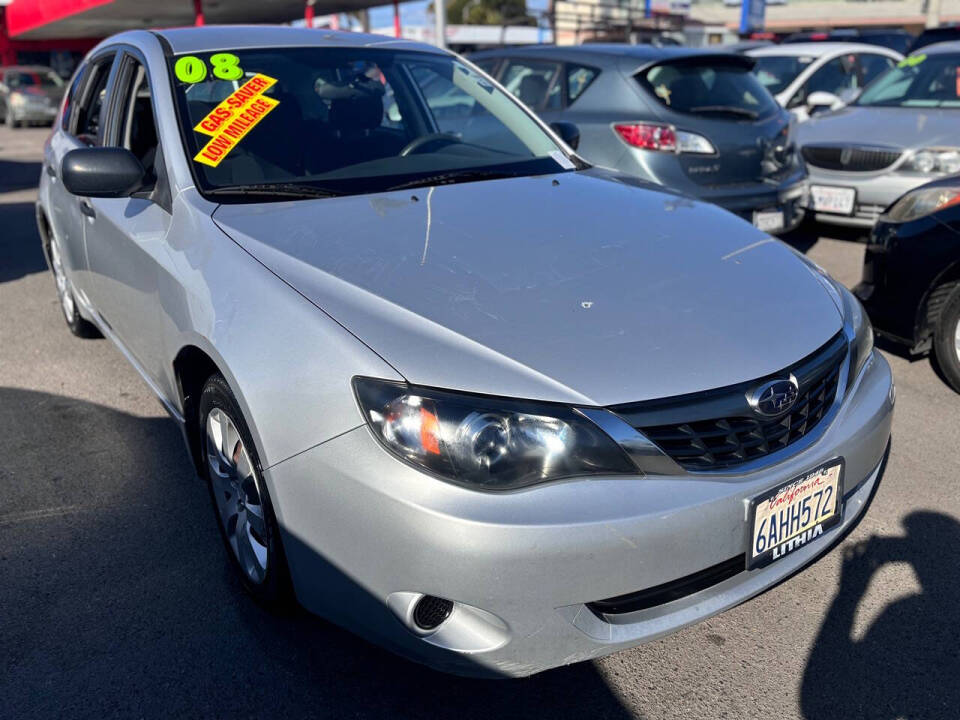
116, 599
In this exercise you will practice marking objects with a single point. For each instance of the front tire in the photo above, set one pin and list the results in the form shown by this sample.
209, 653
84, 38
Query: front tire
68, 303
946, 340
243, 508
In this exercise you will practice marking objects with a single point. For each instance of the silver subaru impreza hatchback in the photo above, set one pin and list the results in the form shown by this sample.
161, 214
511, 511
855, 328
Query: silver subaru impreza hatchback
452, 387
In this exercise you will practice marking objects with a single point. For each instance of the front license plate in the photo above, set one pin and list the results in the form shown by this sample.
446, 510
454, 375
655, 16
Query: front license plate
826, 198
792, 515
768, 220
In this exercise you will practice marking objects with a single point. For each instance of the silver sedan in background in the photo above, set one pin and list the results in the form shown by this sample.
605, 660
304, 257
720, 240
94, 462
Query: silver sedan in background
902, 132
453, 389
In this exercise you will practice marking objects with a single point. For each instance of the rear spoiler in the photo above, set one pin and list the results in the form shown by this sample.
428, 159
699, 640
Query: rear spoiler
725, 58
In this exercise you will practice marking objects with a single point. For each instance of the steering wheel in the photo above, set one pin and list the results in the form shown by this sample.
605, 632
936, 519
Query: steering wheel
433, 138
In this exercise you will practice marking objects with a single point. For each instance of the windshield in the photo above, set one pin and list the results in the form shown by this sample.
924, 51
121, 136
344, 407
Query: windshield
331, 121
917, 81
709, 87
776, 72
40, 78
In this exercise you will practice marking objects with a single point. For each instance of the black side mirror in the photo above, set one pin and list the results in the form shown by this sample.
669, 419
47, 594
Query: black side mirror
103, 172
568, 132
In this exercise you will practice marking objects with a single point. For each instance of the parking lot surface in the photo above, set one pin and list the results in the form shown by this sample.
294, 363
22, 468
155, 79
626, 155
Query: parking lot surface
116, 598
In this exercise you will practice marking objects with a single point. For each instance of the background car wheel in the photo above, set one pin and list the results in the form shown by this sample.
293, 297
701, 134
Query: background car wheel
68, 304
244, 512
946, 340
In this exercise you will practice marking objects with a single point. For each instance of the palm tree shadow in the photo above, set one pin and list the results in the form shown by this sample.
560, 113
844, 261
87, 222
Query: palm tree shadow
117, 598
907, 664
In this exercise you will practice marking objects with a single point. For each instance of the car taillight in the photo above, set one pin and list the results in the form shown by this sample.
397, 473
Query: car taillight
648, 136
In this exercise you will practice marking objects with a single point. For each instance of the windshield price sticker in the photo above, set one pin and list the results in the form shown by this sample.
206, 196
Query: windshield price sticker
230, 121
235, 103
911, 61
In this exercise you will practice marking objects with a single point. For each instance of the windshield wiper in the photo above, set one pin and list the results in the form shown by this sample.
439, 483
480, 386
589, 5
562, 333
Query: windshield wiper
286, 190
729, 109
455, 176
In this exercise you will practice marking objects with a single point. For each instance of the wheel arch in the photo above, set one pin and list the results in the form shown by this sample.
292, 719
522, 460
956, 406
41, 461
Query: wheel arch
191, 369
933, 301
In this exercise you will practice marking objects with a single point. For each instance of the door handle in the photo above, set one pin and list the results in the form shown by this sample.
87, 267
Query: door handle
87, 209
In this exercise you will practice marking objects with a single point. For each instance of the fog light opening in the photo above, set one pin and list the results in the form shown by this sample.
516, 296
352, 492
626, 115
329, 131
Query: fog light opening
430, 612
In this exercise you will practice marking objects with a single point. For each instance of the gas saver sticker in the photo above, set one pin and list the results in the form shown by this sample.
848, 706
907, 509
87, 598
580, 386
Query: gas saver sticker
230, 121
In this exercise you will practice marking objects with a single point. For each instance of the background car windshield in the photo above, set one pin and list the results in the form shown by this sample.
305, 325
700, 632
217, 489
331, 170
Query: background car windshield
709, 88
775, 72
917, 81
34, 79
351, 121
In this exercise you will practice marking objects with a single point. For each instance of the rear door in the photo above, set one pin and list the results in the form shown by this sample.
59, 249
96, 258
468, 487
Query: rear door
719, 98
79, 127
124, 235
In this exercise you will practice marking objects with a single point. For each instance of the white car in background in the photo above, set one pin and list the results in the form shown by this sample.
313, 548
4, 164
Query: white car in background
809, 77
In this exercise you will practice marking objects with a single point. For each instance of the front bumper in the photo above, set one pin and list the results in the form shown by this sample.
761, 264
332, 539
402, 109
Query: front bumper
875, 192
365, 535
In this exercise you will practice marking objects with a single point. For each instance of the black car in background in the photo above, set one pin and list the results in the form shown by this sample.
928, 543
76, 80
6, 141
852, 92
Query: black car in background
911, 274
944, 33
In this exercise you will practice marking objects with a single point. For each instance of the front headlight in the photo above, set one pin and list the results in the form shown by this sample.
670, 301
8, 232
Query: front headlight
922, 201
486, 443
931, 161
859, 331
17, 99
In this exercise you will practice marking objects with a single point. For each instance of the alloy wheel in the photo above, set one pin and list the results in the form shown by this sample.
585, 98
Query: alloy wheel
956, 339
63, 290
236, 490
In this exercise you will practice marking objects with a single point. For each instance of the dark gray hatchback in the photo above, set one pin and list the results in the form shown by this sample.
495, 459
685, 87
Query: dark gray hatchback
693, 120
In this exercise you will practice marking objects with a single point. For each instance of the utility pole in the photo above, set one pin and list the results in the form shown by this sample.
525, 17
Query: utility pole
440, 23
933, 13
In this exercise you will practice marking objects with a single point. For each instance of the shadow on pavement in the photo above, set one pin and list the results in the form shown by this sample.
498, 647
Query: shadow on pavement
906, 664
20, 251
17, 175
810, 231
117, 598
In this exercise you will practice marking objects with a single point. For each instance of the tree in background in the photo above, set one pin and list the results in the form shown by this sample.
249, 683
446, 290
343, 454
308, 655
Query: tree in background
487, 12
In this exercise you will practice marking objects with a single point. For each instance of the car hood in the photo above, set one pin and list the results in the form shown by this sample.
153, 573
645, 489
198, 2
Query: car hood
570, 288
892, 127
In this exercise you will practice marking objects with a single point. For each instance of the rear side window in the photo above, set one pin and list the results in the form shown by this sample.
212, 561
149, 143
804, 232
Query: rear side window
708, 88
534, 83
71, 99
872, 65
578, 78
90, 115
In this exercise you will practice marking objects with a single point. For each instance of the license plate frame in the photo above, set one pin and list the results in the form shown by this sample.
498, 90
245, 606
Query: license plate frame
769, 221
843, 203
806, 532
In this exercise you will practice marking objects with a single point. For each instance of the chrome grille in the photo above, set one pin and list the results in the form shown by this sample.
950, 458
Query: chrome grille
718, 429
850, 158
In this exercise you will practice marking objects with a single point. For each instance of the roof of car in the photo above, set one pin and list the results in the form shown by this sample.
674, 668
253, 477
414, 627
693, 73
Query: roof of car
239, 37
817, 49
642, 53
949, 46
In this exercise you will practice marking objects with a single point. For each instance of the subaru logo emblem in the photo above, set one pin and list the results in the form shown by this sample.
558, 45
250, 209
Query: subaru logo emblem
845, 155
774, 397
